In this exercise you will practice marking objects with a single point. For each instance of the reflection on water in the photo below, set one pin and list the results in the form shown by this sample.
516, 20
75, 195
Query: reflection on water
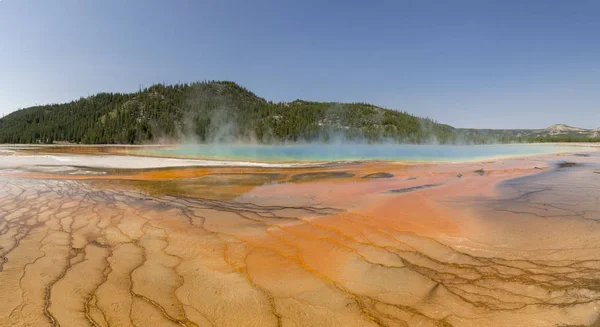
570, 191
328, 248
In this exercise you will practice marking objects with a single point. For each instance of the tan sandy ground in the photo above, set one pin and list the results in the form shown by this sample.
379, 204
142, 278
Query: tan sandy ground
296, 247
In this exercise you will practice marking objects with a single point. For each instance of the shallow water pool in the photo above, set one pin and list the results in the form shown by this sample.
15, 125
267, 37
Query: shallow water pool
360, 152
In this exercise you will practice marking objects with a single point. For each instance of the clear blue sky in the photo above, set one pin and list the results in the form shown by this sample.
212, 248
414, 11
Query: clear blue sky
494, 64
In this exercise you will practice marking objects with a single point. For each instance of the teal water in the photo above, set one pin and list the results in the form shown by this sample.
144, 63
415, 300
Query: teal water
362, 152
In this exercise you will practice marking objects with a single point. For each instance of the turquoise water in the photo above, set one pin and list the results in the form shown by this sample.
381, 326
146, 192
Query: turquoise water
353, 152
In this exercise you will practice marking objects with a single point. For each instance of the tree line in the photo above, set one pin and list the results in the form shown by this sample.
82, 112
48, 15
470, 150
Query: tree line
210, 111
223, 111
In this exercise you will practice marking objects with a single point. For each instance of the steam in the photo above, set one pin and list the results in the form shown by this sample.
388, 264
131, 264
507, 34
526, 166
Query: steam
214, 119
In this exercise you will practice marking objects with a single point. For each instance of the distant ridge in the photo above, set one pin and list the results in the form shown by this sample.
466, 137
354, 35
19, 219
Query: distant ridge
554, 133
223, 111
560, 129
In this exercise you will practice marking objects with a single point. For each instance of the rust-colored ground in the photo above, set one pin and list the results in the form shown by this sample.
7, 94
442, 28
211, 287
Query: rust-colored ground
435, 245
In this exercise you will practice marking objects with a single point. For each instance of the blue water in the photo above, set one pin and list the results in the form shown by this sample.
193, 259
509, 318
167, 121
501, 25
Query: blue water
362, 152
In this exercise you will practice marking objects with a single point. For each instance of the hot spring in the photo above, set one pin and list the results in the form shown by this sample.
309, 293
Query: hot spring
359, 152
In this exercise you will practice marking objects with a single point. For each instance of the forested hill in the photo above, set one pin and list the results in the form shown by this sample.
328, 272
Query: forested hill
211, 112
226, 112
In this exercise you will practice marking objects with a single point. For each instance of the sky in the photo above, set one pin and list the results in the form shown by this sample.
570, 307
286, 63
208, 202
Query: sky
480, 63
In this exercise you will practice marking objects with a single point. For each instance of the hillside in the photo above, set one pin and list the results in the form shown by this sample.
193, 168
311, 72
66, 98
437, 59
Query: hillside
554, 133
210, 112
222, 111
